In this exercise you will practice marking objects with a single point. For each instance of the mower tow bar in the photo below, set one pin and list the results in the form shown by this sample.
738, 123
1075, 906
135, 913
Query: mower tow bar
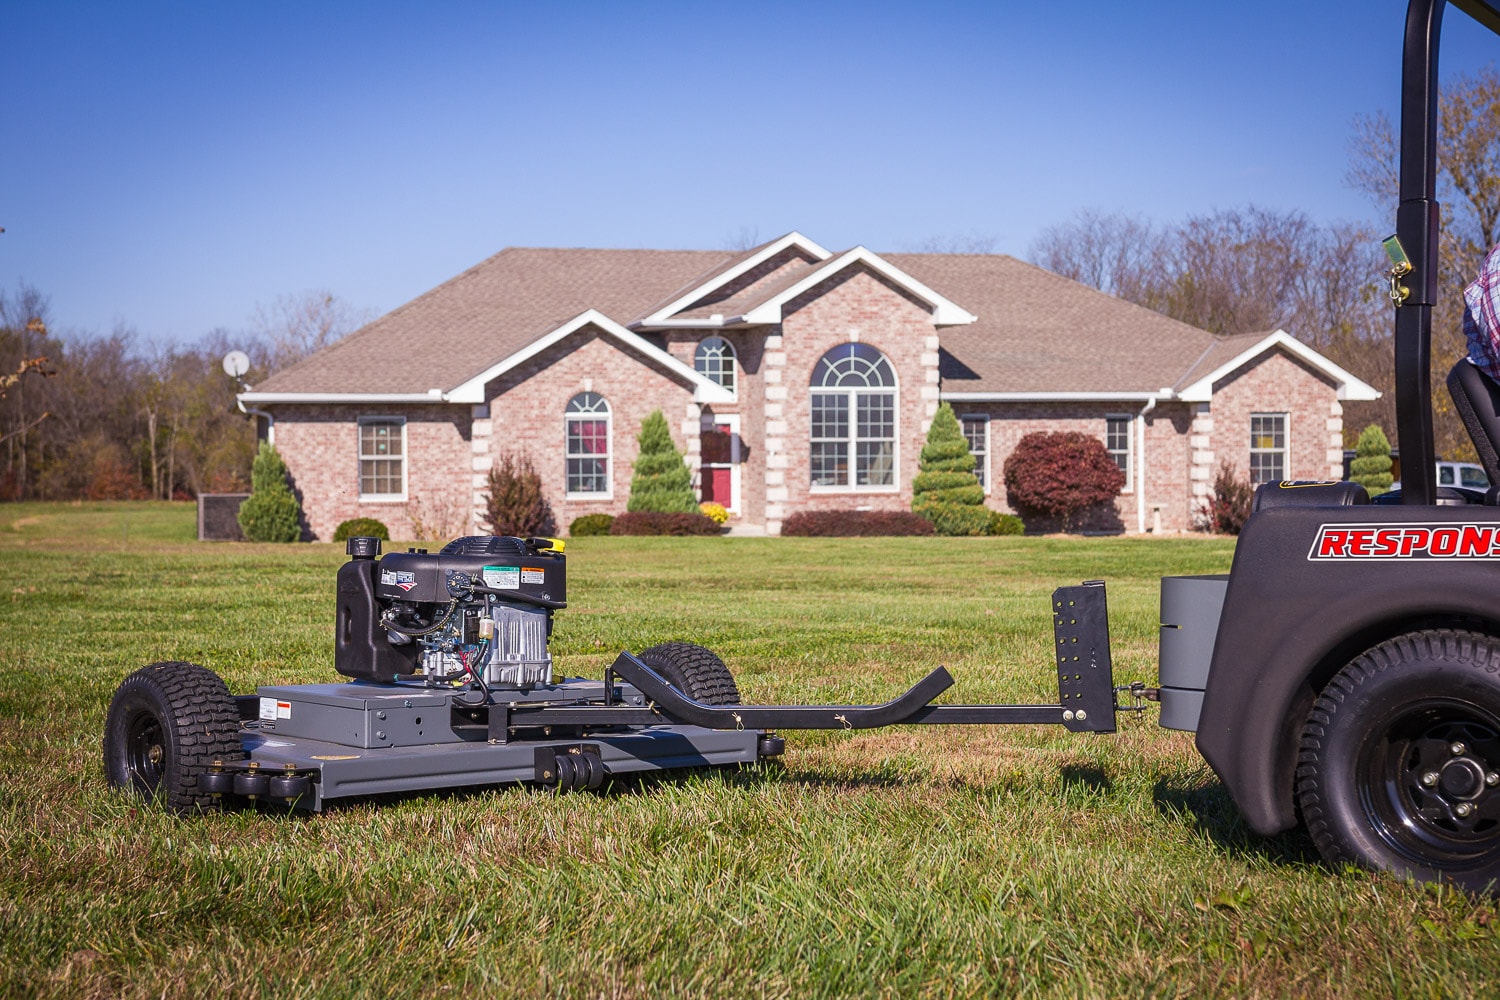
1084, 673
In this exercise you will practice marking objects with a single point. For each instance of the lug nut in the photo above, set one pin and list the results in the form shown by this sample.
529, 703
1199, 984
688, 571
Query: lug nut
1430, 778
1464, 808
1492, 779
1458, 749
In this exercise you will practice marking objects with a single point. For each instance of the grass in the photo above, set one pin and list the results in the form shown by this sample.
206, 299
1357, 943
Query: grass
905, 862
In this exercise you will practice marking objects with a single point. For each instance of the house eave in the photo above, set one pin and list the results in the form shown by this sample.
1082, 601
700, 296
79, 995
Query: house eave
1121, 396
324, 398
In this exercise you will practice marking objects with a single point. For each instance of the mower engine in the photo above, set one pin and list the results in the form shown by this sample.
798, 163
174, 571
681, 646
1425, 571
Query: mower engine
480, 610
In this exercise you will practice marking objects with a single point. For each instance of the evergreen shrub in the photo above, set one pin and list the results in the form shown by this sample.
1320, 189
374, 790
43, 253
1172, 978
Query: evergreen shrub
662, 483
356, 527
946, 491
270, 513
591, 524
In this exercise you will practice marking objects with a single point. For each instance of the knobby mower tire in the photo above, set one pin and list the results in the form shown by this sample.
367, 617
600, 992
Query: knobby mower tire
167, 724
694, 670
1399, 767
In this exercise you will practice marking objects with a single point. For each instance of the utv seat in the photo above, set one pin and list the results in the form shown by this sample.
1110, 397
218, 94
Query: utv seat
1476, 396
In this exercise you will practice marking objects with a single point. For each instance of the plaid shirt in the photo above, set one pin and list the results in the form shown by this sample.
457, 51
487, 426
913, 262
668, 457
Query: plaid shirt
1482, 316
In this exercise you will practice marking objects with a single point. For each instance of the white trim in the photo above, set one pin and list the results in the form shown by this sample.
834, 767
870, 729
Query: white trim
988, 481
662, 316
709, 421
1349, 387
1129, 419
705, 390
609, 448
359, 456
945, 312
853, 439
1055, 397
430, 396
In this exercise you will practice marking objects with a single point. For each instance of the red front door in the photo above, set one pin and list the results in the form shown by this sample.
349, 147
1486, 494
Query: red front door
717, 465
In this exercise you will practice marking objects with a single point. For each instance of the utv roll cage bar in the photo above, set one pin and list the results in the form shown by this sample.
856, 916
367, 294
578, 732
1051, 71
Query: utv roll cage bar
1418, 226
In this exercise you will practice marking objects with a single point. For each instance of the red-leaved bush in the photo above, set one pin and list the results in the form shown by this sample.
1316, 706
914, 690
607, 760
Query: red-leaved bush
1226, 510
1060, 474
855, 523
641, 522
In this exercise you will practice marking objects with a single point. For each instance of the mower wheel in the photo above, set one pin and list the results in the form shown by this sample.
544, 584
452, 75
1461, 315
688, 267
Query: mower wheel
168, 723
1400, 760
694, 670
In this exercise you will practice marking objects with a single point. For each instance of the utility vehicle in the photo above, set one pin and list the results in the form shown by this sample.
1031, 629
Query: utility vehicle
1345, 674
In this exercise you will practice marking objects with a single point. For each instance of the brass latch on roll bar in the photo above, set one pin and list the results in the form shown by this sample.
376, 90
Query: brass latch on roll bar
1400, 268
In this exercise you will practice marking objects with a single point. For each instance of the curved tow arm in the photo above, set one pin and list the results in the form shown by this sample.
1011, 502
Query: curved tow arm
679, 706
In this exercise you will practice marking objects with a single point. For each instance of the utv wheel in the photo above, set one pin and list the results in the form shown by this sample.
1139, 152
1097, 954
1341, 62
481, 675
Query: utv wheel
694, 670
166, 726
1400, 760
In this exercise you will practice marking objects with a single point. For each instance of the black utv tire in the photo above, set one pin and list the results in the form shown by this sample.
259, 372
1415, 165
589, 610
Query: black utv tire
167, 724
694, 670
1399, 767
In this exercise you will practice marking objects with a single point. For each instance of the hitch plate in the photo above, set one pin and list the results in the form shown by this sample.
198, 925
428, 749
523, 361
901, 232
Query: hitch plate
1085, 676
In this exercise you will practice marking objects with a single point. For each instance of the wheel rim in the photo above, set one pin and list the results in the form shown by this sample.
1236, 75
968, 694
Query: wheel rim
145, 751
1430, 783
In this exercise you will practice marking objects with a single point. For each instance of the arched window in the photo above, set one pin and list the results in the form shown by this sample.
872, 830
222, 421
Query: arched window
853, 419
587, 426
715, 359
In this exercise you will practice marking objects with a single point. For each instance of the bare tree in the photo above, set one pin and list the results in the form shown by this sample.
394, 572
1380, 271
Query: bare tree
295, 326
1114, 253
972, 242
1468, 189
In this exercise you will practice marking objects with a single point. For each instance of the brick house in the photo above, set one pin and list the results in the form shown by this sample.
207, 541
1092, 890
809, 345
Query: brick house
793, 378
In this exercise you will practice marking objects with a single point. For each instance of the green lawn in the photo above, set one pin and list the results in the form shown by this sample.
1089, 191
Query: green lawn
904, 862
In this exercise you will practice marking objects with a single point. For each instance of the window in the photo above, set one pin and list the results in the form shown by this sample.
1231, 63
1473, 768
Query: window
977, 433
382, 458
853, 419
1267, 448
715, 359
1117, 441
587, 431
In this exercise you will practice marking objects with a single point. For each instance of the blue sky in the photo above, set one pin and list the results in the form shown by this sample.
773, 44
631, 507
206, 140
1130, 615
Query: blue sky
169, 166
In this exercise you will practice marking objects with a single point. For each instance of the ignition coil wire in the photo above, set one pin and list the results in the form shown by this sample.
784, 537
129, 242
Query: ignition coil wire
389, 623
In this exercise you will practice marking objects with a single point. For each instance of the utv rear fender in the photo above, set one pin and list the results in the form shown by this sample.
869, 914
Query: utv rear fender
1290, 621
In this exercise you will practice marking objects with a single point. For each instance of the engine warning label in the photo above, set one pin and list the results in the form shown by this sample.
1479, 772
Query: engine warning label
502, 577
271, 709
1406, 541
530, 574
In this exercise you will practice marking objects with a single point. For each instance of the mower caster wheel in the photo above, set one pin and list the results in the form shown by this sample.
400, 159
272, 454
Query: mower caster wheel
770, 745
251, 783
168, 725
216, 782
290, 787
590, 771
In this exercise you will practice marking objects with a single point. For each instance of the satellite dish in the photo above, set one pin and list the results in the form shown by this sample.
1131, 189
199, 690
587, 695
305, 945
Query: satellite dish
236, 363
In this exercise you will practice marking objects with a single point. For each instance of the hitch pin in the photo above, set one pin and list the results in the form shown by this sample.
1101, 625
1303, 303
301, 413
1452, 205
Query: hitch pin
1140, 695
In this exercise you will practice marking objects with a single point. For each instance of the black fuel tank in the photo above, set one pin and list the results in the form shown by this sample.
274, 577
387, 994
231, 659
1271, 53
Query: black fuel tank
522, 571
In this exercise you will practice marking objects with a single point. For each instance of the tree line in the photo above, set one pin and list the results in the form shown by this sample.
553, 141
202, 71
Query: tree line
113, 417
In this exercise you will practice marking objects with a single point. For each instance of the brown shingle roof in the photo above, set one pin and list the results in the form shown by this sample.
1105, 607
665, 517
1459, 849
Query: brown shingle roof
1040, 332
490, 312
1036, 332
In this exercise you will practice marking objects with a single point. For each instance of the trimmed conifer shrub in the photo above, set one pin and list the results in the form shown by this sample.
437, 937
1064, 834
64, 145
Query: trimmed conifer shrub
356, 527
513, 500
270, 513
1371, 467
1060, 474
662, 483
1005, 524
946, 491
